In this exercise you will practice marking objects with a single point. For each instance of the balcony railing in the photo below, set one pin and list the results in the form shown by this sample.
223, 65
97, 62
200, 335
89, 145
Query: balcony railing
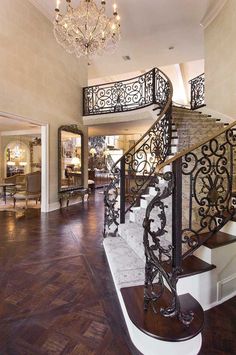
197, 92
125, 95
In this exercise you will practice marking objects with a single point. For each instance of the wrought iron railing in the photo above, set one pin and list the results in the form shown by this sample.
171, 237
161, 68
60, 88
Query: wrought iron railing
135, 169
199, 187
197, 92
125, 95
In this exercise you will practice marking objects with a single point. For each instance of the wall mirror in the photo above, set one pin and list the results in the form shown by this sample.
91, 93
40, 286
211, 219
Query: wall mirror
70, 158
35, 154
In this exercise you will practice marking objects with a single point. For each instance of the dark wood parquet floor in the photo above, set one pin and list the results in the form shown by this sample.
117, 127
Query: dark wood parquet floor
57, 294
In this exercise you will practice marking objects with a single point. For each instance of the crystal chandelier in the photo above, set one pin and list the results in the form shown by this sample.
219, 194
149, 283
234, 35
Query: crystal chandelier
17, 152
86, 30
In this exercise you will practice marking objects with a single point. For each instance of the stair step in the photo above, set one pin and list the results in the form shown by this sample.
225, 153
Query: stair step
218, 240
192, 265
157, 326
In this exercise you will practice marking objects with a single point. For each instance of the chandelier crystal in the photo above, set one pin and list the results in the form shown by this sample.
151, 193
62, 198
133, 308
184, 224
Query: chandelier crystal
86, 30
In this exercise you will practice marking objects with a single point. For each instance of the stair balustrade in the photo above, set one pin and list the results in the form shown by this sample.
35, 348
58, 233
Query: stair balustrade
133, 172
200, 183
197, 85
127, 95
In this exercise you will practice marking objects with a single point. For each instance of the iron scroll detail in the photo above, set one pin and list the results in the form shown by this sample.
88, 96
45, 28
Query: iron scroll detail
133, 172
207, 174
120, 96
158, 253
197, 92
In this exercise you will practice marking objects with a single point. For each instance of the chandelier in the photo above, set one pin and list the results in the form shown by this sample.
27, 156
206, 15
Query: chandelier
86, 30
17, 152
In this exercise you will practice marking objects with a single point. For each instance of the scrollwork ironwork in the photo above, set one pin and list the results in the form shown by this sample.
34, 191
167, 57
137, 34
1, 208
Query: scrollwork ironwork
207, 176
140, 161
197, 92
127, 95
159, 254
111, 204
204, 175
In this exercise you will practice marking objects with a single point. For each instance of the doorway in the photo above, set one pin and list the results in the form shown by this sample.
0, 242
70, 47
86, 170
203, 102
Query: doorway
23, 164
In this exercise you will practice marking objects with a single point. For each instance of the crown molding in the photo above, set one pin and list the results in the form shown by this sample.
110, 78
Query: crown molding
212, 13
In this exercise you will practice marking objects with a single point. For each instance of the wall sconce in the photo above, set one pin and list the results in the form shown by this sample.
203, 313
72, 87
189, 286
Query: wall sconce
75, 161
11, 163
106, 152
23, 163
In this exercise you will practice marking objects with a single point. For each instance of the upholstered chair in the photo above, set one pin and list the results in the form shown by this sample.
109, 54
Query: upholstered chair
18, 180
32, 191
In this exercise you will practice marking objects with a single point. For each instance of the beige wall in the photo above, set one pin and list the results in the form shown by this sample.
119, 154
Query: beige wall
220, 61
38, 79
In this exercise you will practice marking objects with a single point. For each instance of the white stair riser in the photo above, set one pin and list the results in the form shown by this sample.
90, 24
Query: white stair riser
229, 228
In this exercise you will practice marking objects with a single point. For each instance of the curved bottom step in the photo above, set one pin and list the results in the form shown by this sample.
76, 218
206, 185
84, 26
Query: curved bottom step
158, 326
146, 343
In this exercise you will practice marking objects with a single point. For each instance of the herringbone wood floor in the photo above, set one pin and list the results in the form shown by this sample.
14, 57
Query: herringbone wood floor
57, 294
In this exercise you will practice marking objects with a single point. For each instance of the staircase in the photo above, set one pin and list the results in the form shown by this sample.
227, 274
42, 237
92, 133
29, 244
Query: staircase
169, 225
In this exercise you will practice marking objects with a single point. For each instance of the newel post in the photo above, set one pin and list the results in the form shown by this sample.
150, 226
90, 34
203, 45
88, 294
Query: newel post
177, 214
122, 190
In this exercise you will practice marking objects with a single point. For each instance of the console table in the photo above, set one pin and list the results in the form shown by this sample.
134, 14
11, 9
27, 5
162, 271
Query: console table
67, 195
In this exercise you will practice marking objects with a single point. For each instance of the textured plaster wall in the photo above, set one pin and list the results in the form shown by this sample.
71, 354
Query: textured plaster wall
220, 61
38, 79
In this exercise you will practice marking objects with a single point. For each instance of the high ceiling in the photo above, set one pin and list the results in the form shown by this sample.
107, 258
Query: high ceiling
149, 28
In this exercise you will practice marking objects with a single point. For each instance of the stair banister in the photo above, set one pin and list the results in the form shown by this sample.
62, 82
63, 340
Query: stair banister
187, 150
200, 178
197, 87
133, 172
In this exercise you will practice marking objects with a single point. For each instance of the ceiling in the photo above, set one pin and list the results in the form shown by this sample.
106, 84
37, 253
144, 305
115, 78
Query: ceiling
10, 124
109, 129
149, 28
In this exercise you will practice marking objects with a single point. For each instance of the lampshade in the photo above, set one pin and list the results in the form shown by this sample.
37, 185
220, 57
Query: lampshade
75, 161
92, 151
106, 153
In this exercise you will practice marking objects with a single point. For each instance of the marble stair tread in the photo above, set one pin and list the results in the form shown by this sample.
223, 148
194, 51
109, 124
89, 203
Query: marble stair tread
127, 267
218, 239
132, 233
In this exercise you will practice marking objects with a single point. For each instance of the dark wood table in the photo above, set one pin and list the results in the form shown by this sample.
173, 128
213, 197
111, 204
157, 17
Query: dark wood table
67, 195
4, 189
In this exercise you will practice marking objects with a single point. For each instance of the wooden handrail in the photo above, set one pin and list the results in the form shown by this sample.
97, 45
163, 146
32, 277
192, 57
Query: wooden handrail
193, 147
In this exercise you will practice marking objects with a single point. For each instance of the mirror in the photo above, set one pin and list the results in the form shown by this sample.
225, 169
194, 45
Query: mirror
70, 158
35, 154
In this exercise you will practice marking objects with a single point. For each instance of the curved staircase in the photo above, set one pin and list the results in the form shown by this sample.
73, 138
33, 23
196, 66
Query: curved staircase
169, 224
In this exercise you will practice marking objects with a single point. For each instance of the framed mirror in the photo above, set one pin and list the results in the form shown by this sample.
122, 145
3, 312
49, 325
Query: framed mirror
70, 158
35, 154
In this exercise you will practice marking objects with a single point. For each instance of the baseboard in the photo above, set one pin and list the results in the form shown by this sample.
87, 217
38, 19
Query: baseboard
226, 288
54, 206
220, 298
